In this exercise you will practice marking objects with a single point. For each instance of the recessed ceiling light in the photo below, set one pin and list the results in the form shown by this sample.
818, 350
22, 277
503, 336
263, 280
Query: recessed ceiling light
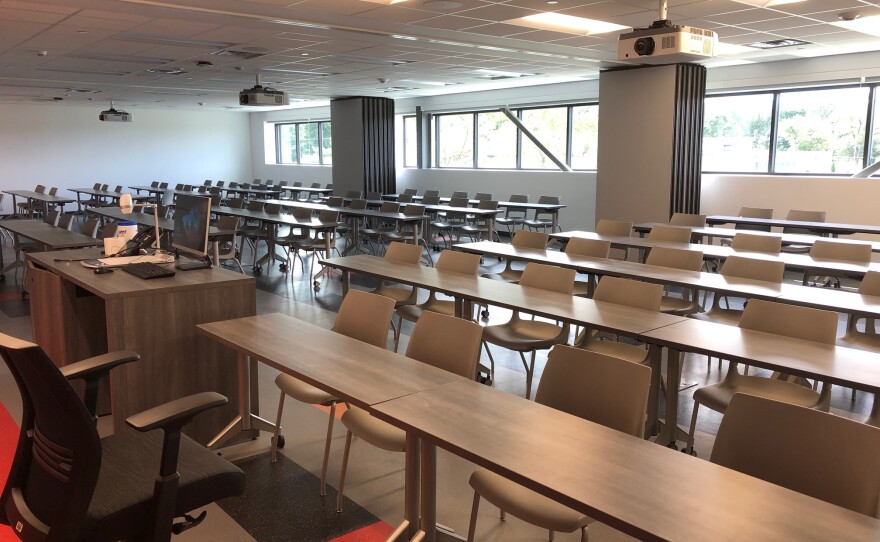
552, 2
498, 74
386, 2
566, 23
768, 3
303, 54
82, 31
776, 44
865, 25
442, 4
724, 49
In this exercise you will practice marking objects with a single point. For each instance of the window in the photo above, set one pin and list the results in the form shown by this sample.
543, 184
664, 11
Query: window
549, 126
496, 141
584, 136
455, 140
736, 133
303, 143
410, 142
875, 137
822, 131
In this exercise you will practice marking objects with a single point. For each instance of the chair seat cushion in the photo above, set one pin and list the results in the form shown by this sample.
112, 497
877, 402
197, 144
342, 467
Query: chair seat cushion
373, 430
525, 335
120, 507
412, 313
677, 305
718, 396
400, 295
525, 504
302, 391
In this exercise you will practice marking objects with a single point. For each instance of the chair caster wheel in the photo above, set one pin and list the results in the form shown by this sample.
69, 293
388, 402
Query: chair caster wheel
484, 314
283, 268
482, 379
692, 452
672, 445
258, 270
280, 441
317, 286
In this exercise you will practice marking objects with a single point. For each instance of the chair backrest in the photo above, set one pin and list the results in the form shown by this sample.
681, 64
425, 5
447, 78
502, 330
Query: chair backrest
414, 210
109, 230
374, 195
328, 215
599, 388
233, 184
154, 184
54, 472
179, 186
51, 218
405, 198
845, 252
90, 227
452, 261
803, 323
519, 198
753, 268
403, 253
431, 200
163, 185
446, 342
65, 220
487, 204
390, 207
614, 227
255, 205
297, 184
754, 212
548, 277
54, 191
768, 244
459, 201
358, 204
411, 191
328, 185
549, 200
220, 183
316, 185
226, 222
670, 234
365, 317
593, 248
273, 208
208, 182
302, 213
97, 186
530, 239
434, 193
284, 183
685, 219
460, 194
870, 283
40, 189
353, 194
676, 258
335, 201
482, 196
805, 216
809, 451
202, 189
632, 293
235, 203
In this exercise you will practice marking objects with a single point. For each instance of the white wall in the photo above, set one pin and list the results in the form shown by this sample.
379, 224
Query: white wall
577, 190
68, 147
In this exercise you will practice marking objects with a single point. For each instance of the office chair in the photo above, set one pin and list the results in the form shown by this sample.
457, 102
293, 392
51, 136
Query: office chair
67, 484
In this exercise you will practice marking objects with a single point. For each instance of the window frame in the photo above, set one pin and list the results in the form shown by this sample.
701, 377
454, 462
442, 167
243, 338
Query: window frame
279, 126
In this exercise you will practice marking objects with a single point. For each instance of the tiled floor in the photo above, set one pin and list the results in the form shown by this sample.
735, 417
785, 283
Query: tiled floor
375, 477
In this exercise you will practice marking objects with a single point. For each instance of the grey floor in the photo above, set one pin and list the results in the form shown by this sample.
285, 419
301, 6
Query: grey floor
375, 478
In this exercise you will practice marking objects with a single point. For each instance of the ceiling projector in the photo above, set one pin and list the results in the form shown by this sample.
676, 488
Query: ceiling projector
113, 115
262, 96
666, 43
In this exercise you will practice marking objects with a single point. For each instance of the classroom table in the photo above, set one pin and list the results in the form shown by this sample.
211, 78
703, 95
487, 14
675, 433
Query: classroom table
832, 228
114, 196
552, 208
831, 364
45, 199
262, 193
46, 235
728, 233
816, 266
296, 190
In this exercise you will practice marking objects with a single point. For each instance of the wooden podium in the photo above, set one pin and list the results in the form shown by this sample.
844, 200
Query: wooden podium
76, 314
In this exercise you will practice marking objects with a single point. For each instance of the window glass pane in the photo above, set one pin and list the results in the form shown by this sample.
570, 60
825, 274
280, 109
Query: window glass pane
875, 145
736, 133
584, 136
308, 143
821, 131
287, 143
410, 142
326, 146
497, 141
456, 140
549, 126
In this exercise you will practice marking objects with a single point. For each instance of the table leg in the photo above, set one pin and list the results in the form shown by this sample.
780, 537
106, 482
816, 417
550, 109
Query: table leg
246, 419
78, 203
14, 205
673, 376
655, 354
346, 281
324, 269
428, 490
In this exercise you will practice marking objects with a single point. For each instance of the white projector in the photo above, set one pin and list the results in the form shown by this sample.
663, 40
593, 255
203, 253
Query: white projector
667, 44
112, 115
259, 96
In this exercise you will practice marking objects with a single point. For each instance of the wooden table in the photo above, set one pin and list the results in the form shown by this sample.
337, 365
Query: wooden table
857, 369
45, 199
295, 190
831, 228
46, 235
552, 208
114, 196
76, 314
628, 483
260, 192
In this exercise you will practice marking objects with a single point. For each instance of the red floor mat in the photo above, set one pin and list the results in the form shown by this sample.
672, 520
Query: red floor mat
376, 532
8, 440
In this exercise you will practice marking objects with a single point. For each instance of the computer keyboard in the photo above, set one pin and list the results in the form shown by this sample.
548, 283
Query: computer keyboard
146, 270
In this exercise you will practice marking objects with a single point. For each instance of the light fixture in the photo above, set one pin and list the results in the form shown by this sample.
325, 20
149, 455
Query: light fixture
386, 2
865, 25
498, 74
570, 24
777, 44
725, 49
768, 3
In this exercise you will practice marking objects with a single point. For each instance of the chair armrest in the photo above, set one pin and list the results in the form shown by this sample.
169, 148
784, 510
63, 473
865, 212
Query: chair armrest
98, 365
92, 370
177, 413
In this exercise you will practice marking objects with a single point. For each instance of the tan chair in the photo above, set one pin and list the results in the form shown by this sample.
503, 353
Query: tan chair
616, 228
226, 243
686, 260
630, 293
375, 231
765, 244
802, 323
754, 212
591, 248
442, 341
805, 216
837, 251
669, 234
449, 262
744, 268
447, 224
689, 220
818, 454
513, 216
479, 229
521, 239
598, 388
868, 339
401, 253
362, 316
543, 219
531, 335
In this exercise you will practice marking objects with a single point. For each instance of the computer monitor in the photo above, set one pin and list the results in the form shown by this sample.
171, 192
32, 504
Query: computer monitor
192, 216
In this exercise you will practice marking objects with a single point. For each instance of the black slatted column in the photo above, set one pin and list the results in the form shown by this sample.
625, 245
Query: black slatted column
690, 92
378, 121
